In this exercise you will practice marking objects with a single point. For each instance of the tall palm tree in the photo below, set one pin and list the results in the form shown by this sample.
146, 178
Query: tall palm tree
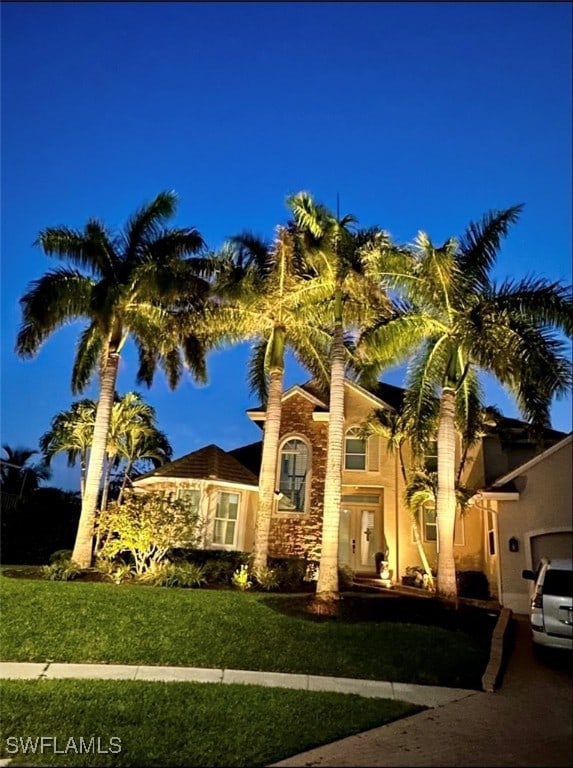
455, 322
337, 253
269, 294
141, 284
71, 432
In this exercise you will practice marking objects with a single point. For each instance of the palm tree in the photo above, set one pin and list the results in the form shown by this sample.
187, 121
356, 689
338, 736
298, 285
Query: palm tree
143, 444
337, 253
71, 432
393, 427
139, 283
268, 293
455, 322
18, 476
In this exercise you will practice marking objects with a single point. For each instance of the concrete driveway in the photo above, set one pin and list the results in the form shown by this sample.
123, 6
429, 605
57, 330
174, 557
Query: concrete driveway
526, 722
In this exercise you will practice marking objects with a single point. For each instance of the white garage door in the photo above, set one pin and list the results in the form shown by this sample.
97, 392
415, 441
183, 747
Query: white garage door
552, 545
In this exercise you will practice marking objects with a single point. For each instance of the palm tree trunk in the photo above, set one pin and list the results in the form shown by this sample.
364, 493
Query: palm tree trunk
124, 481
82, 553
106, 480
327, 585
421, 550
416, 525
267, 477
83, 465
446, 497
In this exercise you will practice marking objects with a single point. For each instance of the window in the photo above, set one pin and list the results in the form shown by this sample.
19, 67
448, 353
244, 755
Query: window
354, 450
490, 532
431, 457
293, 472
193, 496
226, 519
429, 524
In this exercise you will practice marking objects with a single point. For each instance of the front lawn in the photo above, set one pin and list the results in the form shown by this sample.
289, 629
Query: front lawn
98, 622
186, 724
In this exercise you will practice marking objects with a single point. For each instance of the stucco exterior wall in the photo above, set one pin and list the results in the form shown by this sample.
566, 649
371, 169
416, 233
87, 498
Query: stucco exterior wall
209, 490
545, 505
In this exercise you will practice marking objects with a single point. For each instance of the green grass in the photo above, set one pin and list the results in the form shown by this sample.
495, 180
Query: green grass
179, 724
98, 622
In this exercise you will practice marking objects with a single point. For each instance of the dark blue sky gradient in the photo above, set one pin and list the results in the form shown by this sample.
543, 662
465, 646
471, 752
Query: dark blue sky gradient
420, 115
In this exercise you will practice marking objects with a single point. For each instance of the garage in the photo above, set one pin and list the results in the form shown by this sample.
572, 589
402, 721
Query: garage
552, 545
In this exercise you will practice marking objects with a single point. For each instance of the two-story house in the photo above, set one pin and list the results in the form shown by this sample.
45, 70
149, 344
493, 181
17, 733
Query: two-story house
373, 516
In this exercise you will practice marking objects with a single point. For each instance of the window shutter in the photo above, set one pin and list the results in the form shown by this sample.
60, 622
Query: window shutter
373, 453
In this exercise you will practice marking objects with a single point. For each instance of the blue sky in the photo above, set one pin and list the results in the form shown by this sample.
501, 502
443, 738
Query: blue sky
421, 116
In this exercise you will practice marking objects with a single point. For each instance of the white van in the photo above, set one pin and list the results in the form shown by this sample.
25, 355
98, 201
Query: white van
552, 603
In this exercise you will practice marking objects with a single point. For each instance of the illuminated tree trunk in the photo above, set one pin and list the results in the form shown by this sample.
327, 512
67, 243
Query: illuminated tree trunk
327, 586
267, 477
446, 498
82, 553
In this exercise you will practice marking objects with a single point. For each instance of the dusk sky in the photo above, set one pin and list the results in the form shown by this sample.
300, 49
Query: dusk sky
421, 116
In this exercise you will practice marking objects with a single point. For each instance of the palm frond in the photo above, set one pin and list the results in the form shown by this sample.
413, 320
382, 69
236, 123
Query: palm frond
57, 298
144, 225
91, 249
88, 357
480, 243
257, 373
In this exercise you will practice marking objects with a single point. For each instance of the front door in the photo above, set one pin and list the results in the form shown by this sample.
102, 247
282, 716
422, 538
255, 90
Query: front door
358, 536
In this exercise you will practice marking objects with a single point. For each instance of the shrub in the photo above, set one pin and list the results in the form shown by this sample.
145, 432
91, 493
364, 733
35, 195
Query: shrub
61, 570
290, 572
145, 526
60, 555
345, 577
240, 579
267, 578
167, 574
219, 565
473, 584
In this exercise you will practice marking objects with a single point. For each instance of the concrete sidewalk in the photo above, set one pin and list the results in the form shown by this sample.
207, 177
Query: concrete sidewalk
424, 695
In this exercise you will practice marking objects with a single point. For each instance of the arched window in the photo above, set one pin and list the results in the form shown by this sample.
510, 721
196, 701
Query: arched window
293, 474
354, 450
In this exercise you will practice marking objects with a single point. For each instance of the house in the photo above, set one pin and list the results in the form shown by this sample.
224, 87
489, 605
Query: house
528, 515
373, 516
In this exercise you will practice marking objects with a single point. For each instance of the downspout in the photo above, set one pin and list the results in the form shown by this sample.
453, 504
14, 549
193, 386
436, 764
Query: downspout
396, 516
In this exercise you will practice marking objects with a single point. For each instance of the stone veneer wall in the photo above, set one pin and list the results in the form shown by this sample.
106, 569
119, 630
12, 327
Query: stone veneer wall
299, 535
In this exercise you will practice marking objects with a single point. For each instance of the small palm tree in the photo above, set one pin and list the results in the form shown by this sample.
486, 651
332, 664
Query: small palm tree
71, 432
138, 284
393, 427
456, 321
268, 293
18, 476
337, 253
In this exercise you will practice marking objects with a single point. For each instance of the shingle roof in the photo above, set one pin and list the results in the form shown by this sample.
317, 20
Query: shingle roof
249, 456
209, 463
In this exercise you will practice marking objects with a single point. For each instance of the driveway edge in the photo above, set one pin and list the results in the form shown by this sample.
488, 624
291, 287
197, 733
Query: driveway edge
491, 677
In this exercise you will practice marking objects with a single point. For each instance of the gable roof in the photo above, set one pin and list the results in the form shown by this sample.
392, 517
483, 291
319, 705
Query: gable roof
526, 466
208, 463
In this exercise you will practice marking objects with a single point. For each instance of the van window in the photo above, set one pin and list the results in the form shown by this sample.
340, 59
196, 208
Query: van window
558, 583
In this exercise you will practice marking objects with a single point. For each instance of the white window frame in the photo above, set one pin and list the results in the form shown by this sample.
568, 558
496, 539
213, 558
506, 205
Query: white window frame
352, 433
433, 455
226, 520
305, 482
424, 525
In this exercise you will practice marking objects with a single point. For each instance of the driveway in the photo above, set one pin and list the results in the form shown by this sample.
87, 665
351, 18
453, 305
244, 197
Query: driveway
526, 722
